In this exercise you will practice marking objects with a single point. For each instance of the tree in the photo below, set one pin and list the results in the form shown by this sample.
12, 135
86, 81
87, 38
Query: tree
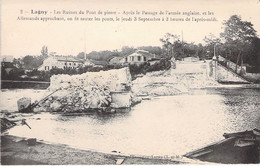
4, 75
211, 41
81, 55
29, 62
101, 55
238, 36
152, 50
44, 51
125, 50
254, 59
174, 48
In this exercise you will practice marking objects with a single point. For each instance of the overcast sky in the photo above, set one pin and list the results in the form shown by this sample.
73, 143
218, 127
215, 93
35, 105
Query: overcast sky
20, 38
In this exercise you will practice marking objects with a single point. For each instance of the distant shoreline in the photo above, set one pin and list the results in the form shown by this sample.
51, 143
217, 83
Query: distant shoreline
13, 84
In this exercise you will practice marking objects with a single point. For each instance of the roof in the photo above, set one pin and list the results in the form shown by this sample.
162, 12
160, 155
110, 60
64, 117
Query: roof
8, 65
144, 53
67, 59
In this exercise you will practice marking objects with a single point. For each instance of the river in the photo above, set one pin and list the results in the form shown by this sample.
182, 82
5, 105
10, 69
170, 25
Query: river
172, 125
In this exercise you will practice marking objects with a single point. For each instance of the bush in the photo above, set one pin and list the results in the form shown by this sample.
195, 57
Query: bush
253, 69
15, 74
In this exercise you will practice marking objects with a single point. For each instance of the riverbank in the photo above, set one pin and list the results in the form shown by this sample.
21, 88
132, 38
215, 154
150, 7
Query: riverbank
15, 150
13, 84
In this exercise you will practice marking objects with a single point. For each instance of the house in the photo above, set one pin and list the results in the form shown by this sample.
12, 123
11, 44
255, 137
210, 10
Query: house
61, 62
7, 63
139, 57
8, 66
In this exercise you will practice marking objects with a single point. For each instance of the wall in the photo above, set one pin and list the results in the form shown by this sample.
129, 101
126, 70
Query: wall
232, 65
190, 67
224, 75
134, 59
50, 61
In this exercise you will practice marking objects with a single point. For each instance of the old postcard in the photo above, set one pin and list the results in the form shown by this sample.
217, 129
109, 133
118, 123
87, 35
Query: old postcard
130, 82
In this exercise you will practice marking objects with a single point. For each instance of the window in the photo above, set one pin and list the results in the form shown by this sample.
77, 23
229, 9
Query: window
126, 59
144, 58
139, 58
70, 64
132, 58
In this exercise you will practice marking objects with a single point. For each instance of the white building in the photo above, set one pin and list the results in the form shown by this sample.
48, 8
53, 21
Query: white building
138, 57
61, 62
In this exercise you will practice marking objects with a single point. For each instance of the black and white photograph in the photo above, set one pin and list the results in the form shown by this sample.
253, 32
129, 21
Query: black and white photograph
120, 82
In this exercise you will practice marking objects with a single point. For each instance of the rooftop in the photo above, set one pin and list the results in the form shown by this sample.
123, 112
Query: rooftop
67, 58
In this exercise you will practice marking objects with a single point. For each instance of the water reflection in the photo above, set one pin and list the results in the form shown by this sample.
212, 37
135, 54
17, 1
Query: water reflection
162, 126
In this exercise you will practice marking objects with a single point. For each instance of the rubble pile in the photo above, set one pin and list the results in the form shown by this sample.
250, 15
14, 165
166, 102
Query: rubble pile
159, 83
167, 83
112, 79
91, 90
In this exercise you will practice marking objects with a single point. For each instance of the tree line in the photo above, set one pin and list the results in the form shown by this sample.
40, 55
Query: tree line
238, 43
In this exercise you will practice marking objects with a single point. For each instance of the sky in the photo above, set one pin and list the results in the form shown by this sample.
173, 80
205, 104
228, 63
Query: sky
21, 38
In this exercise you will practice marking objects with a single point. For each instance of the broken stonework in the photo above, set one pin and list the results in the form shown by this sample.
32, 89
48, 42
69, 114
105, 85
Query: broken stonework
23, 103
91, 90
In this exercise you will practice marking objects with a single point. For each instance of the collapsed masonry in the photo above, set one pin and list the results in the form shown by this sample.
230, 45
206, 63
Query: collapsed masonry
185, 77
91, 90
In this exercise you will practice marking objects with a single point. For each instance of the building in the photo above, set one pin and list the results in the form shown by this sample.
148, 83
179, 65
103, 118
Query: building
7, 63
61, 62
8, 66
139, 57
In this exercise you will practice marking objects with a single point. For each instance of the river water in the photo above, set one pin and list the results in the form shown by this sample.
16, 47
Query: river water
172, 125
